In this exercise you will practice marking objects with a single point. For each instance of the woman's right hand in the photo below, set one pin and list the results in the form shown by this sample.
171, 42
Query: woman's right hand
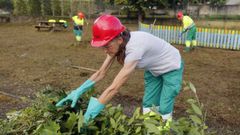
75, 95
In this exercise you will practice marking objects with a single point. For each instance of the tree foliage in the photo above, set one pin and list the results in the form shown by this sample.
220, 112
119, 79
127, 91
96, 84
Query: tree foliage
6, 4
217, 3
46, 7
34, 7
20, 7
140, 6
69, 7
56, 7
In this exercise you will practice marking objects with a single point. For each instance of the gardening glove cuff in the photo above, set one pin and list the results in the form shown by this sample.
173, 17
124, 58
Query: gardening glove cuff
85, 86
94, 108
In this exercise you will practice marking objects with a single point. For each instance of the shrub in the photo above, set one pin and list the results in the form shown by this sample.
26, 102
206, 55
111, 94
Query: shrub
42, 117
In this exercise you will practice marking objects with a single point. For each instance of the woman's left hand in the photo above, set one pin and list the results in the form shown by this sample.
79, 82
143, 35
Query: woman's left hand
94, 108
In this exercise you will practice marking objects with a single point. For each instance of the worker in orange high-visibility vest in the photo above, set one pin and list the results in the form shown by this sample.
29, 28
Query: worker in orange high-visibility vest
78, 22
190, 28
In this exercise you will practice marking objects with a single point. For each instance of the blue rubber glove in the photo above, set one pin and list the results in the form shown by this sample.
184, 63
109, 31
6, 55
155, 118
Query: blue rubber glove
94, 108
75, 95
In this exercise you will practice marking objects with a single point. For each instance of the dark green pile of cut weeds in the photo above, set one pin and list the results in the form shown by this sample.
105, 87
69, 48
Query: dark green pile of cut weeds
43, 118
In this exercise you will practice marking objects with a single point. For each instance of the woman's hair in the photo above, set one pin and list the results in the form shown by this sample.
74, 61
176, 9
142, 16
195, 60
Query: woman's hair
121, 51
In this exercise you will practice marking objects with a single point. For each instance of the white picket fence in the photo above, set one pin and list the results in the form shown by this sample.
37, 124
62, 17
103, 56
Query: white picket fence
206, 37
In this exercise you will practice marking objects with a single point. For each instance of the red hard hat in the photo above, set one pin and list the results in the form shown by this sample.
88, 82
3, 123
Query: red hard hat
80, 15
180, 14
105, 28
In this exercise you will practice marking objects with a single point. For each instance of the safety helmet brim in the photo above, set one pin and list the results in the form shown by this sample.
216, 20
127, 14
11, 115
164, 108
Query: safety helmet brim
100, 42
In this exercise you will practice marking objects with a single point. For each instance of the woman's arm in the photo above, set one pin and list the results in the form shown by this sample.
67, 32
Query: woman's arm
100, 74
119, 80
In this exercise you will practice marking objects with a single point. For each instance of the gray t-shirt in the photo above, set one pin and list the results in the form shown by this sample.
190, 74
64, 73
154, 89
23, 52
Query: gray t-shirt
153, 54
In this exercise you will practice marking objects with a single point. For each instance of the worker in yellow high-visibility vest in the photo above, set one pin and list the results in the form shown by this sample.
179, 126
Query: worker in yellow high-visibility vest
78, 22
190, 28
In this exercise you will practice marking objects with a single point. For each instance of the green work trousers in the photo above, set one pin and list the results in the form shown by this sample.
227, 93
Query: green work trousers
162, 90
191, 34
78, 34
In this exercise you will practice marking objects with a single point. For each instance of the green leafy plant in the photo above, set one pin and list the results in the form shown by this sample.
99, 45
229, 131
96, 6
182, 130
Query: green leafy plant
194, 123
42, 118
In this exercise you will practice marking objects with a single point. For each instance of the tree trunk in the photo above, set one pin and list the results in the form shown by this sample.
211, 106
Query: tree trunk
140, 15
62, 8
71, 8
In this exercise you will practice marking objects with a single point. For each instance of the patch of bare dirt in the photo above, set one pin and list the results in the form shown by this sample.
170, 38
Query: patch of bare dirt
31, 60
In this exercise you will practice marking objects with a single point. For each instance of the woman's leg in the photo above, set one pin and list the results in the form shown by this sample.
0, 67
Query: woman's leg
172, 84
153, 86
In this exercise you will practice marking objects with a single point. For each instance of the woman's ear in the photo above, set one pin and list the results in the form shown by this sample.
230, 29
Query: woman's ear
120, 40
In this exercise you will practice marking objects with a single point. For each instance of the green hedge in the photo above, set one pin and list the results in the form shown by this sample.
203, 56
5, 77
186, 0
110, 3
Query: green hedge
42, 117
